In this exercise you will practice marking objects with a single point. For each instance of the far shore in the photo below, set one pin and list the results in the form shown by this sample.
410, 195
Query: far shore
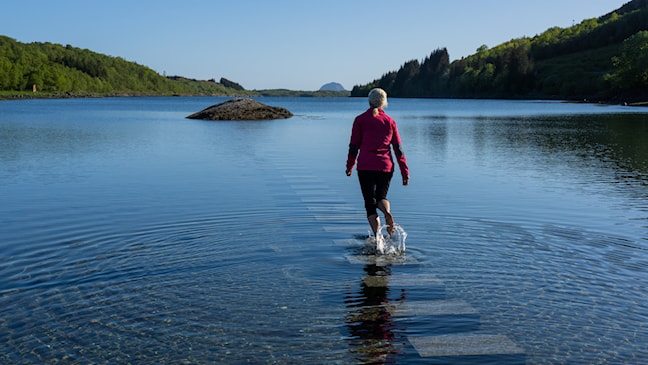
261, 93
43, 95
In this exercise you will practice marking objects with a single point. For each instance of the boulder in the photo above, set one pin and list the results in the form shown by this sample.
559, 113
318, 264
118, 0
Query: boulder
241, 109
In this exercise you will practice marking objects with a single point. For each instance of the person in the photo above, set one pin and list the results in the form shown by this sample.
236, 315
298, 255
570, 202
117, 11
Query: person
373, 136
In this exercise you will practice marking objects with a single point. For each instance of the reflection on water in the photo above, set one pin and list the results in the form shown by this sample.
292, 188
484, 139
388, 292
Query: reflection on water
369, 319
130, 234
592, 141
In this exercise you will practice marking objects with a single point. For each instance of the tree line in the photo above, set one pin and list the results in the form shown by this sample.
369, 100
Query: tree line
56, 69
602, 58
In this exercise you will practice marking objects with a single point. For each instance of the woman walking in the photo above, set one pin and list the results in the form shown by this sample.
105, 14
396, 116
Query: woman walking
373, 136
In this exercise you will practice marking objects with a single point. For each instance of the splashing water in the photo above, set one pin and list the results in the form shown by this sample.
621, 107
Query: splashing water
391, 244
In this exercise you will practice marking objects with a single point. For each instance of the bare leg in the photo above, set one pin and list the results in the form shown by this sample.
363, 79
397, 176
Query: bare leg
374, 223
384, 207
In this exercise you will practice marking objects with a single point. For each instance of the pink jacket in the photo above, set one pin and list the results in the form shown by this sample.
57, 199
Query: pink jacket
373, 137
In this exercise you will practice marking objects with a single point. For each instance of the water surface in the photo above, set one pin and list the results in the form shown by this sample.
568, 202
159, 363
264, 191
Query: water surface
131, 234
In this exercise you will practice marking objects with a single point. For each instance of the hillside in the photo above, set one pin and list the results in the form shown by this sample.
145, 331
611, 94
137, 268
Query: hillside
599, 59
57, 70
332, 86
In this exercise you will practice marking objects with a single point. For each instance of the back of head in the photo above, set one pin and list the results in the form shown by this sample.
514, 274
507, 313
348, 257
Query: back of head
377, 99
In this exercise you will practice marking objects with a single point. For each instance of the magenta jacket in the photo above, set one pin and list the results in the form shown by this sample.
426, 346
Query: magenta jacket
372, 137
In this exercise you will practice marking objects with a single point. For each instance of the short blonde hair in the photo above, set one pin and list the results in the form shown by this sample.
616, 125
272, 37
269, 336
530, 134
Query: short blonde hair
377, 98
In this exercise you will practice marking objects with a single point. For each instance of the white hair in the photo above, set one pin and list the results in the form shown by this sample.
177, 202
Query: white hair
377, 99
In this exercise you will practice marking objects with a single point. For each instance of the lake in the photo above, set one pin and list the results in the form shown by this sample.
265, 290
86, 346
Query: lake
129, 234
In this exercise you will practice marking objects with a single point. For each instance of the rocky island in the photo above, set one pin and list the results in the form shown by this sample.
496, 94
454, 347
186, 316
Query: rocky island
241, 109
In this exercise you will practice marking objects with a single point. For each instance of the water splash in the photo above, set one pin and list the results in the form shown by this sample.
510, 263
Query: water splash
393, 244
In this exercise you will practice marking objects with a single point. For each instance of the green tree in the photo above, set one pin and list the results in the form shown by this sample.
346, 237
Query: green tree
433, 73
231, 84
386, 82
560, 63
403, 84
55, 69
632, 65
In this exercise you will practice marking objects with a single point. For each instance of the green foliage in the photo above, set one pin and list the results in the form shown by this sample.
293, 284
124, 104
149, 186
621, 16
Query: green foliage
55, 69
632, 64
560, 63
413, 78
231, 84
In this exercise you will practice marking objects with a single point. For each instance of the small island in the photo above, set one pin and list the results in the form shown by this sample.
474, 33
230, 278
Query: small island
241, 109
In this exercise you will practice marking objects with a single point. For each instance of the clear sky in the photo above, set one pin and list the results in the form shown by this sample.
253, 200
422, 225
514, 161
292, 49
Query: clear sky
292, 44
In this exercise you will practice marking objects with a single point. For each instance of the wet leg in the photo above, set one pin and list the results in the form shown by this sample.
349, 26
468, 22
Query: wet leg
374, 223
385, 207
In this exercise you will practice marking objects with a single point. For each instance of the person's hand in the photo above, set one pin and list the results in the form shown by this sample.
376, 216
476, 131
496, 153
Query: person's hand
406, 181
349, 172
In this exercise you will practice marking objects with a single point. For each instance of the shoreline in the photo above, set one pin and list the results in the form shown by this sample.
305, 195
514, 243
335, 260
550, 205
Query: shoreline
259, 93
38, 95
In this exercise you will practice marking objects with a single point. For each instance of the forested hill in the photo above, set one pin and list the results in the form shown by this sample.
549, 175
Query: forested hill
605, 58
54, 69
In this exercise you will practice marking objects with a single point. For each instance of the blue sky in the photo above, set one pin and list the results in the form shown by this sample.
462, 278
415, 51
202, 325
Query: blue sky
293, 44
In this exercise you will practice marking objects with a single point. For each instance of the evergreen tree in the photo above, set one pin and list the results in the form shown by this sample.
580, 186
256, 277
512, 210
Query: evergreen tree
405, 81
434, 72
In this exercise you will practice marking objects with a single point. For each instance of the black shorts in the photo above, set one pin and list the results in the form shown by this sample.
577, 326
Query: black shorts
374, 186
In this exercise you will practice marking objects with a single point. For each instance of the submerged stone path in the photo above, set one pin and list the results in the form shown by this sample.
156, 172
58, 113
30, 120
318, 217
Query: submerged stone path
451, 326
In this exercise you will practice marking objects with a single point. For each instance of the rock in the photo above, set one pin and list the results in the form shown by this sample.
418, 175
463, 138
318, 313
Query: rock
241, 109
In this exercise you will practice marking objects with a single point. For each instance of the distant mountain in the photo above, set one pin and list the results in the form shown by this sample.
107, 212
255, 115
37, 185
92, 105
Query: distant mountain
332, 86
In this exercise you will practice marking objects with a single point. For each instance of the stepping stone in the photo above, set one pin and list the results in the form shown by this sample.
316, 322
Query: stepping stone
310, 186
433, 308
437, 317
411, 280
347, 228
324, 199
381, 260
334, 207
311, 192
402, 280
338, 217
464, 346
298, 177
349, 242
418, 288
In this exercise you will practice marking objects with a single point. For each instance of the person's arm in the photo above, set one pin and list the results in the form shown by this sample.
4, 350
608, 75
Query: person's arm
354, 147
400, 156
402, 163
351, 158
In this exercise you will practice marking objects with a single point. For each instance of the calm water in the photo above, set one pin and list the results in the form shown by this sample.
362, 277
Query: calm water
129, 234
